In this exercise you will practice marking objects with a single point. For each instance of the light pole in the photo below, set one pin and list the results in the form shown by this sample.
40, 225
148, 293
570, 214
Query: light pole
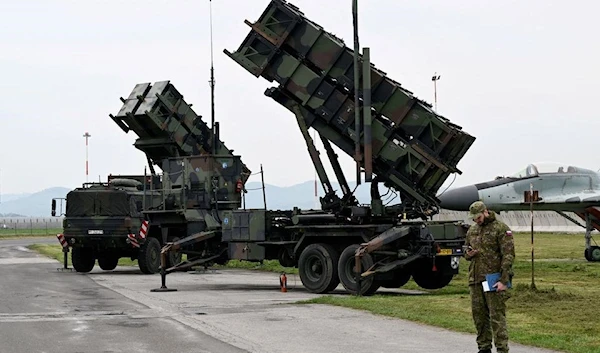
86, 135
435, 78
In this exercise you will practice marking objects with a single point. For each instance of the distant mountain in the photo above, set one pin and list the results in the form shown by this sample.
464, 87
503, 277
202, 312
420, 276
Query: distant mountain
11, 197
283, 198
33, 205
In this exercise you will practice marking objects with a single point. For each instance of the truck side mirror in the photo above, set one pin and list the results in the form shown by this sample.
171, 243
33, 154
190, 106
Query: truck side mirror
53, 207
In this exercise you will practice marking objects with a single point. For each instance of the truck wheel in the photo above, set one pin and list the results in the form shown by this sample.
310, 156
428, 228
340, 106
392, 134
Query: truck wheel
83, 259
368, 285
149, 257
108, 262
426, 278
318, 268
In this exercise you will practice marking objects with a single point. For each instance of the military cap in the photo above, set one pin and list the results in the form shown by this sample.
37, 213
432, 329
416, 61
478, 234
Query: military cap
476, 209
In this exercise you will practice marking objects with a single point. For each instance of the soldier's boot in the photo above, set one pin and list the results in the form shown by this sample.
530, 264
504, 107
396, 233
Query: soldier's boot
488, 350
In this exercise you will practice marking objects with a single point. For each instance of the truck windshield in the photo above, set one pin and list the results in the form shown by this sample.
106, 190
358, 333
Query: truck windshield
86, 203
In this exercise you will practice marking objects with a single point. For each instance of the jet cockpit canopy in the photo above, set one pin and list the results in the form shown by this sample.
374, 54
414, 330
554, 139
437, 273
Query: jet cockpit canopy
535, 169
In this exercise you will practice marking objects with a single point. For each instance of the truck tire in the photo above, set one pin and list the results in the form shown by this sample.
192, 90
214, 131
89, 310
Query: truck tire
149, 257
83, 259
368, 285
318, 268
108, 262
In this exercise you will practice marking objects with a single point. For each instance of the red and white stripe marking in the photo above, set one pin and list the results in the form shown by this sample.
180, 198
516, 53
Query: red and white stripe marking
144, 229
133, 240
62, 240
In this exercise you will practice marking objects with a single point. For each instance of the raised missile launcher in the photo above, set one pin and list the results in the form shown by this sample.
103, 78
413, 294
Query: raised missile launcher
390, 133
201, 177
409, 146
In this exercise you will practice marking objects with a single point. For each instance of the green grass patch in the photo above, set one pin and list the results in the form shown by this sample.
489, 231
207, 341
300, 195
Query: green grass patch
27, 232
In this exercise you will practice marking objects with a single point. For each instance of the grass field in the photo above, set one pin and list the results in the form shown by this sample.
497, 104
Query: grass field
29, 232
559, 314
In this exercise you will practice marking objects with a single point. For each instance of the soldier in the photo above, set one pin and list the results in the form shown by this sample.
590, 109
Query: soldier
490, 249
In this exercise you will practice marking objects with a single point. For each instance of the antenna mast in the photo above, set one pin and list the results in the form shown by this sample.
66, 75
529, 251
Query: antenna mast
212, 86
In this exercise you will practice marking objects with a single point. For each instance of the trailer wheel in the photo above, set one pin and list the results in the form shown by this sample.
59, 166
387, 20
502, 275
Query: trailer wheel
368, 285
149, 257
426, 278
318, 268
108, 262
83, 259
400, 278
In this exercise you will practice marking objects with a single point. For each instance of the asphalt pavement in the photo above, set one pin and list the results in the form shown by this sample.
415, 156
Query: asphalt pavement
46, 310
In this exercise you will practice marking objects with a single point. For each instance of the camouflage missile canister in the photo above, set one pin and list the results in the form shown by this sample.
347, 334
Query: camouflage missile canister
167, 126
413, 148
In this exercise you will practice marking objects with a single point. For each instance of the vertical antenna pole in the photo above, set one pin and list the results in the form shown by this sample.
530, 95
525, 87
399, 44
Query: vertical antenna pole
212, 87
262, 177
86, 135
435, 78
357, 129
532, 255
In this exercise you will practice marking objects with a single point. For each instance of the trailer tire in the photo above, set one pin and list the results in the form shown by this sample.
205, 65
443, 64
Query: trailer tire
108, 262
426, 278
400, 277
149, 257
318, 268
83, 259
369, 285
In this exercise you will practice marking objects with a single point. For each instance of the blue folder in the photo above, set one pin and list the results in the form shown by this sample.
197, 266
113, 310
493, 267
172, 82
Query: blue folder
492, 278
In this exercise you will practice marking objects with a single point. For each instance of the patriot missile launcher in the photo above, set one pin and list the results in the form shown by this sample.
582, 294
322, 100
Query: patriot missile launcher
389, 132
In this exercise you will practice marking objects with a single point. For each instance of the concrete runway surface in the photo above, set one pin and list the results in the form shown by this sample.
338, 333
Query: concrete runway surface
213, 311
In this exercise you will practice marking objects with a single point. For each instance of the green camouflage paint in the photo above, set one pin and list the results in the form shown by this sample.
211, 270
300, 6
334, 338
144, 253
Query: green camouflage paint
166, 125
413, 148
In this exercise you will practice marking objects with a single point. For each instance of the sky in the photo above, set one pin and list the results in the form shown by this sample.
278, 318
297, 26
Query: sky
509, 70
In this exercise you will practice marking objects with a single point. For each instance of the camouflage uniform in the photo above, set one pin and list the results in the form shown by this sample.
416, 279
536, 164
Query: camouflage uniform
493, 239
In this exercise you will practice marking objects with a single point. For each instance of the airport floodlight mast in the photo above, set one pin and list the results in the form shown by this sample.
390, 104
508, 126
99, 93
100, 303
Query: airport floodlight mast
435, 78
86, 135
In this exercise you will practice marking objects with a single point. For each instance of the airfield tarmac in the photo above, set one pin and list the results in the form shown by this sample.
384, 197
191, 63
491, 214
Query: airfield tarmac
45, 310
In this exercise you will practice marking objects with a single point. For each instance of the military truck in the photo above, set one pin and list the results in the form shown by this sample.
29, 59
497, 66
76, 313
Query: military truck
104, 221
393, 135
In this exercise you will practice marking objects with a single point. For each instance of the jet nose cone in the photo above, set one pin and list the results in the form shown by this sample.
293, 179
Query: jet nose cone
459, 199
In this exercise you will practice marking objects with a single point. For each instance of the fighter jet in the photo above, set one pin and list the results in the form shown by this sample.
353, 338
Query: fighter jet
553, 186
